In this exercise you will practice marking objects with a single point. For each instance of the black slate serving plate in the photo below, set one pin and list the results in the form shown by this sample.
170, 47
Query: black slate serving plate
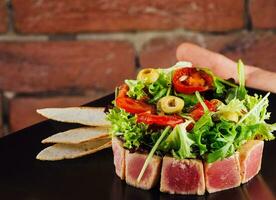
92, 177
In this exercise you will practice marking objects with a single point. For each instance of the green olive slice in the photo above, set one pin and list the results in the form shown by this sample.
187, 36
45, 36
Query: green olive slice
148, 75
171, 104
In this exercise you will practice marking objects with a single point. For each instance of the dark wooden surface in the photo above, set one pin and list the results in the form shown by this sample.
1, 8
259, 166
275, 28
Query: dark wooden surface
92, 177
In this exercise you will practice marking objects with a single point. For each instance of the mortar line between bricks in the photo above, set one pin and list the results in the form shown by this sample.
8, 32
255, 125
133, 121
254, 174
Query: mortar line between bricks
138, 39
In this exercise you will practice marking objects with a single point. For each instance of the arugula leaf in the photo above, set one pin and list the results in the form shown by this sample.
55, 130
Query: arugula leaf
136, 89
220, 153
201, 127
125, 124
220, 140
244, 133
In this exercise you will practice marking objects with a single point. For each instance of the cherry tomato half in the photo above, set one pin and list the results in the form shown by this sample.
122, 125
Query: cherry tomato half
190, 80
198, 110
133, 106
149, 119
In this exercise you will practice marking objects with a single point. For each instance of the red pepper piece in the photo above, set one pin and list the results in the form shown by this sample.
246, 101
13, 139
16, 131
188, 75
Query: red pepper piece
190, 80
165, 120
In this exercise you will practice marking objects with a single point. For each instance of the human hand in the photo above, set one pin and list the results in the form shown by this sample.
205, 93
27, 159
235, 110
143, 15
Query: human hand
225, 67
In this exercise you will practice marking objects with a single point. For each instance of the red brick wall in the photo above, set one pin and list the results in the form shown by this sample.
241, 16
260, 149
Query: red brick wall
68, 52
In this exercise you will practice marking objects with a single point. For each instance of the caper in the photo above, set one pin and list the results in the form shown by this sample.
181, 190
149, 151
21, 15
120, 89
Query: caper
230, 116
171, 104
148, 75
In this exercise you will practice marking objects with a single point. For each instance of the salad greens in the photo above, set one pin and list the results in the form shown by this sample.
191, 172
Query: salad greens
151, 153
159, 88
217, 134
136, 89
124, 124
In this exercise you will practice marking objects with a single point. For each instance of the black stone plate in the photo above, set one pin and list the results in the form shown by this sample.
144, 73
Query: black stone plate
92, 177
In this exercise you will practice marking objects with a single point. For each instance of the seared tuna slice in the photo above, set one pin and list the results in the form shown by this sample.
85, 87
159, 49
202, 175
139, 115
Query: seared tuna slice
134, 164
250, 159
119, 157
222, 174
182, 176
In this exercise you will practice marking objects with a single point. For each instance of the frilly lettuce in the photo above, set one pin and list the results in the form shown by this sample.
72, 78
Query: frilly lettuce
136, 89
125, 124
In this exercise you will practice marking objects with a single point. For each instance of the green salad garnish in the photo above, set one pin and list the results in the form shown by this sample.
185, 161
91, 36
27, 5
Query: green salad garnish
218, 115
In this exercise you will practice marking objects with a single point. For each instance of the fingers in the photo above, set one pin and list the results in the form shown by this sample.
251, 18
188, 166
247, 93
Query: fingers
201, 57
226, 68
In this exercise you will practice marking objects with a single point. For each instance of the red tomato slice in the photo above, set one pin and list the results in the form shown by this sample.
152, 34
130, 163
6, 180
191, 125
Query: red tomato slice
198, 110
133, 106
148, 118
190, 80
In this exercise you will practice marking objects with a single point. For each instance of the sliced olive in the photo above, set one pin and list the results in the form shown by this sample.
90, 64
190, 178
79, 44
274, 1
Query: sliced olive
148, 75
230, 116
171, 104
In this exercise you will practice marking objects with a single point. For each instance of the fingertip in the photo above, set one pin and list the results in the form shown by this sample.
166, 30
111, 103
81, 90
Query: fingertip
183, 50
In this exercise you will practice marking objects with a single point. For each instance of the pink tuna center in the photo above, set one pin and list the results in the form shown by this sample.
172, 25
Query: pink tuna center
134, 168
253, 162
223, 174
182, 177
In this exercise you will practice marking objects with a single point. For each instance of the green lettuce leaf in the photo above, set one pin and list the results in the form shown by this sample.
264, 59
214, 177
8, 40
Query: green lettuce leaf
136, 89
124, 124
185, 146
234, 105
189, 99
178, 142
221, 153
159, 88
199, 131
220, 141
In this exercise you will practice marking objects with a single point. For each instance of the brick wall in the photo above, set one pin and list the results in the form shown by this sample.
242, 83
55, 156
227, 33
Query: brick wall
68, 52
